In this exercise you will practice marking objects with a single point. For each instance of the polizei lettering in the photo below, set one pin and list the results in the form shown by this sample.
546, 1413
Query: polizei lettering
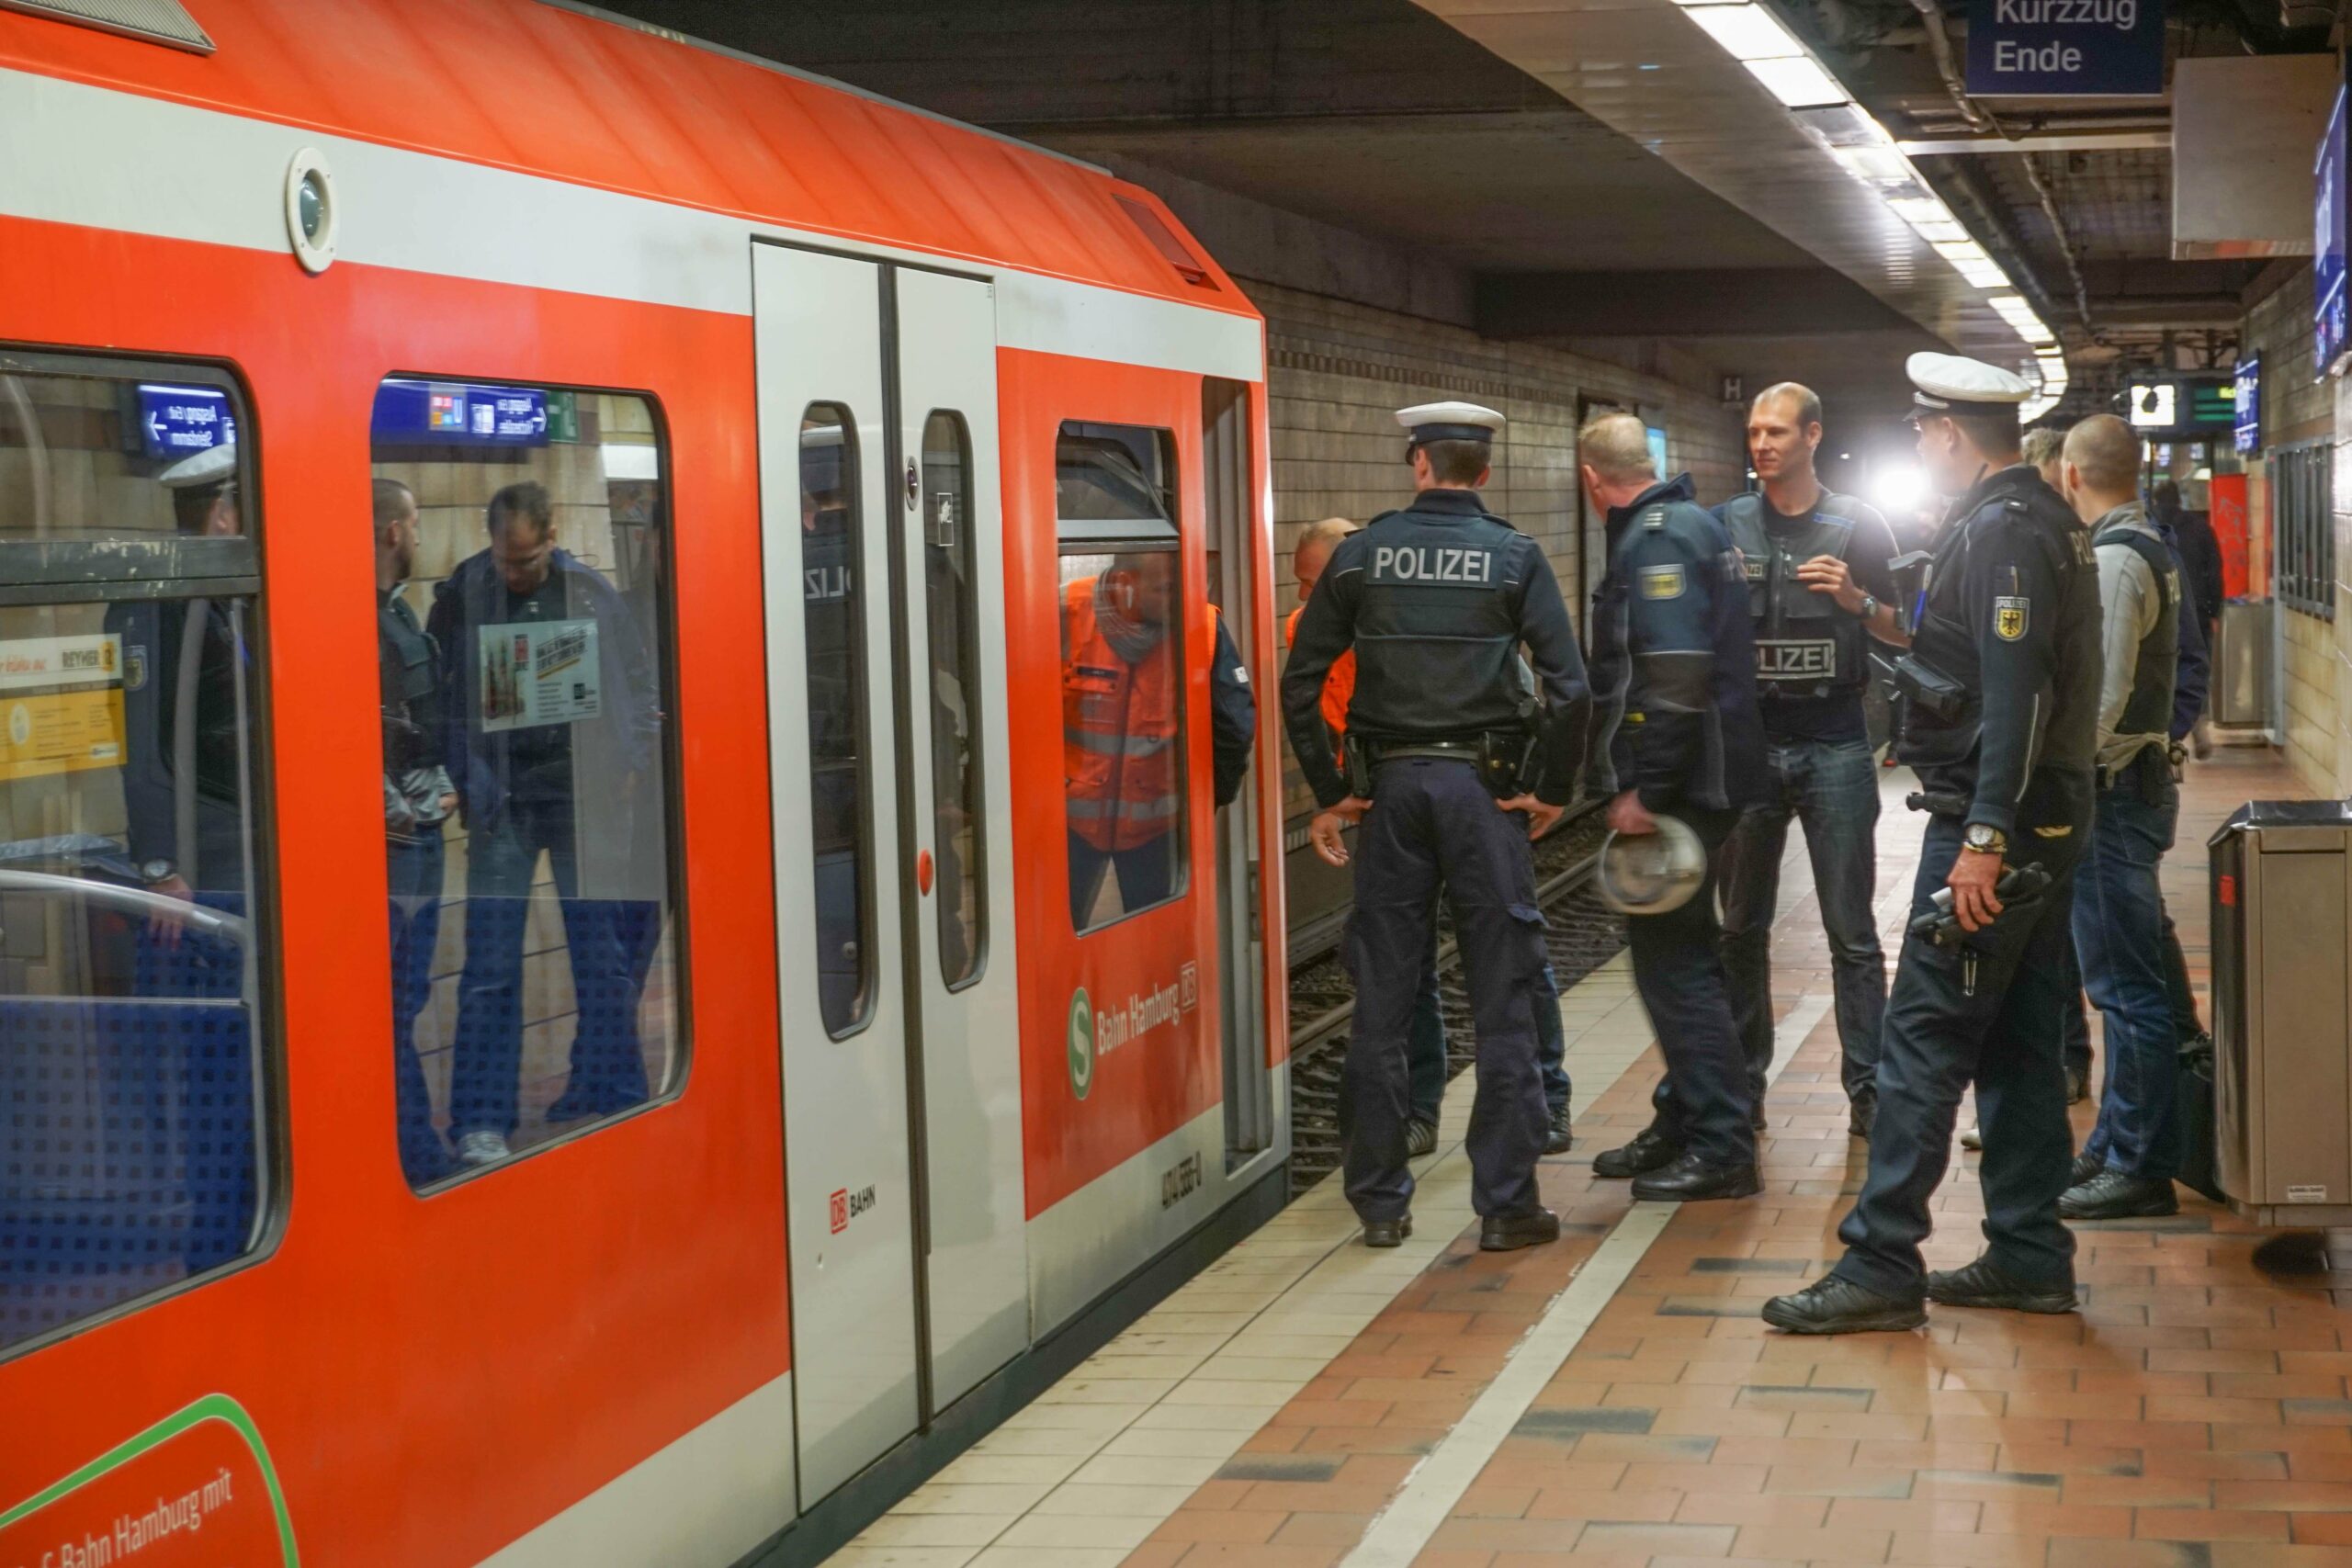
1433, 563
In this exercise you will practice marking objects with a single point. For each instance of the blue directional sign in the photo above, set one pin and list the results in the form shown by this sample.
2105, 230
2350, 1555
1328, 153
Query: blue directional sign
2328, 314
2065, 49
180, 422
2248, 413
458, 413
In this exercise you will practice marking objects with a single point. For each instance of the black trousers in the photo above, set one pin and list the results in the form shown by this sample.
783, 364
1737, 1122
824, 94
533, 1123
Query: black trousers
1705, 1100
1987, 1013
1433, 825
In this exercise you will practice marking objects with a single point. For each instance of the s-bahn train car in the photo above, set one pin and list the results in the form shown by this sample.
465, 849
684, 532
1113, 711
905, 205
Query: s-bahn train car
790, 988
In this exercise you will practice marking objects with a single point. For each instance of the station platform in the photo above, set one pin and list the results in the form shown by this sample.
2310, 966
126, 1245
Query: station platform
1613, 1399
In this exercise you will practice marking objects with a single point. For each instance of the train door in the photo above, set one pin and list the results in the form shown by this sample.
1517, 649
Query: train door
887, 761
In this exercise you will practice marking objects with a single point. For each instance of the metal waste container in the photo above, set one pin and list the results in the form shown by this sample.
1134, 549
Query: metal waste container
2281, 876
2242, 673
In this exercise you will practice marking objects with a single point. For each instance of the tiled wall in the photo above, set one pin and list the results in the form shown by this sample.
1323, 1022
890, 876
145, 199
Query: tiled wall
1338, 371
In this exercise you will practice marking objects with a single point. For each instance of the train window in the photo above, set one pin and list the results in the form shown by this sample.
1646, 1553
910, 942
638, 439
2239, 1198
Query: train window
132, 899
521, 624
952, 602
831, 537
1122, 670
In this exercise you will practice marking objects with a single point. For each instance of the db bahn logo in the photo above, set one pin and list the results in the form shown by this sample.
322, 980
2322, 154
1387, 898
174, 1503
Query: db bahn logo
847, 1205
1081, 1044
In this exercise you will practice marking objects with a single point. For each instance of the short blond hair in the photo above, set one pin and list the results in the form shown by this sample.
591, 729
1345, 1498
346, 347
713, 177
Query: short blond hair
2105, 451
1327, 533
2042, 446
1616, 446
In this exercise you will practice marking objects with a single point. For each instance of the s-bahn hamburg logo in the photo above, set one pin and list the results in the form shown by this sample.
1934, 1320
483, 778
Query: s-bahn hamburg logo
1081, 1044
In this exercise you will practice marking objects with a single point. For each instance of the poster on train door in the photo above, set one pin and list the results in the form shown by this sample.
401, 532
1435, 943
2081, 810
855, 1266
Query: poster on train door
536, 672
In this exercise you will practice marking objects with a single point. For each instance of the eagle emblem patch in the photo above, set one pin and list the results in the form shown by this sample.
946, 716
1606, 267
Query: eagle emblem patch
2009, 617
1661, 582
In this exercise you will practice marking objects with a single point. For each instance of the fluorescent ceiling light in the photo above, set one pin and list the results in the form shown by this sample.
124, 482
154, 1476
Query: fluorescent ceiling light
1920, 210
1747, 32
1957, 251
1798, 83
1883, 165
1983, 275
1945, 233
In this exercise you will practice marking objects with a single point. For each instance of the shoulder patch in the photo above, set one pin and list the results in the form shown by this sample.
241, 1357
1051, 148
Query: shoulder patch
1661, 581
1653, 518
2009, 616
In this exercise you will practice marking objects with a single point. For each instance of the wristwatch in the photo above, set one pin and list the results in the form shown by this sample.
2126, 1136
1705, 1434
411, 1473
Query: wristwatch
1869, 607
150, 871
1985, 839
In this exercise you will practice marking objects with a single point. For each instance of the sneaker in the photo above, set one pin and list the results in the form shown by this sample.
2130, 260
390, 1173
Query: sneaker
1984, 1283
1839, 1306
2111, 1195
1420, 1138
1559, 1138
2085, 1167
1974, 1138
1649, 1151
483, 1147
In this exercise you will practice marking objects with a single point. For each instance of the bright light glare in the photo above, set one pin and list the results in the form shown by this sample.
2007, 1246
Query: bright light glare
1940, 234
1878, 164
1957, 251
1920, 210
1747, 32
1899, 489
1799, 84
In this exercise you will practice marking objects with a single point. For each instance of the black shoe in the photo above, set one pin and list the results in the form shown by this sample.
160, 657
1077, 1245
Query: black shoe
1690, 1179
2078, 1085
1507, 1233
1420, 1138
1862, 1117
1983, 1284
1387, 1232
1649, 1151
1756, 1114
1841, 1306
1558, 1139
2111, 1195
2086, 1168
575, 1105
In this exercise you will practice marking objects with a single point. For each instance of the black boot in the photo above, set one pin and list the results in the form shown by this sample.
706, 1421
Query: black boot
1558, 1139
2111, 1195
1689, 1180
1862, 1117
1650, 1150
1507, 1233
1387, 1232
1841, 1306
1984, 1283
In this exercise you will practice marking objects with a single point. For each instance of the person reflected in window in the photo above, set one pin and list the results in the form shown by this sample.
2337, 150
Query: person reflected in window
553, 724
1121, 760
418, 798
829, 602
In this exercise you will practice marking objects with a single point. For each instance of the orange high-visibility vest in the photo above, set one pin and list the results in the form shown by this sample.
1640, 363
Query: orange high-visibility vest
1339, 681
1119, 732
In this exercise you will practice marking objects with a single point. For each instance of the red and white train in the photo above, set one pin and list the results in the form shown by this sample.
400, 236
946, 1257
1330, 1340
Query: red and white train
784, 1091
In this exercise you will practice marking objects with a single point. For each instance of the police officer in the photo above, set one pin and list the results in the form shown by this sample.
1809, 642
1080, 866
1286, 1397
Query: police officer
418, 798
1444, 755
1675, 731
2126, 1168
1998, 713
1819, 591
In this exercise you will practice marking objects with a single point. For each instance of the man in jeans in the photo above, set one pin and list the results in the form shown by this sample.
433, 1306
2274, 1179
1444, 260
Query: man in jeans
1818, 591
2127, 1167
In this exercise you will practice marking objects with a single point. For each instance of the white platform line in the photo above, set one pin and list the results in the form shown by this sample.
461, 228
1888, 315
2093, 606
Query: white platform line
1401, 1530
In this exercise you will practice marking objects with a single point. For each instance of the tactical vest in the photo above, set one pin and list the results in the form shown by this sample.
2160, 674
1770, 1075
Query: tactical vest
1806, 645
2148, 710
406, 657
1437, 627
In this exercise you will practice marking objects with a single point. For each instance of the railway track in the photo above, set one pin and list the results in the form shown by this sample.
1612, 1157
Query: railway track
1583, 934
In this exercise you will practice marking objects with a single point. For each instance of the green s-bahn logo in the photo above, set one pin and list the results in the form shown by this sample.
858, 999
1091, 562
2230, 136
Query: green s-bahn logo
1081, 1044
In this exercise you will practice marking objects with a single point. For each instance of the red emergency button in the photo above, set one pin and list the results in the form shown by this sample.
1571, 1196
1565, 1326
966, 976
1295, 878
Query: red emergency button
922, 872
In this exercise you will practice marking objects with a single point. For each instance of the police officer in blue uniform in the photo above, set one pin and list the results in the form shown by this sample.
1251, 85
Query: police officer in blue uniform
1999, 711
1675, 732
1450, 772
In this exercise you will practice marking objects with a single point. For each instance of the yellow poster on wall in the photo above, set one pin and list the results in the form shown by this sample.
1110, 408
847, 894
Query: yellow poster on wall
61, 732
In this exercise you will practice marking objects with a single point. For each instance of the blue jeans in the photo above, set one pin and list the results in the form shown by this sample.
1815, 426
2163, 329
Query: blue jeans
603, 939
415, 868
2120, 930
1832, 788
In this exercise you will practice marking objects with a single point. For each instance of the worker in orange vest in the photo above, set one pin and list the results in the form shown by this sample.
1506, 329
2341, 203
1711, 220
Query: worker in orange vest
1123, 756
1426, 1040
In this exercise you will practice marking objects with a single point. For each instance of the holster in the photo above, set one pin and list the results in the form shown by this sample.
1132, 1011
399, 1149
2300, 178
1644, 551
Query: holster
1506, 760
1937, 694
2020, 886
1355, 761
1937, 803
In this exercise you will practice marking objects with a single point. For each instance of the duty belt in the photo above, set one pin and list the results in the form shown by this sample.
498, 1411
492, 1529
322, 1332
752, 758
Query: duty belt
1452, 751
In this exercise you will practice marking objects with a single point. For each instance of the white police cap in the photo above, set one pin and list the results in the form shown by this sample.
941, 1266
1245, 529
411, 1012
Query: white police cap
1946, 383
213, 466
1448, 422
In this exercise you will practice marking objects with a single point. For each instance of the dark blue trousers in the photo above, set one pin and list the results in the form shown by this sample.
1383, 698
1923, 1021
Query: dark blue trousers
2120, 929
415, 868
1988, 1012
1705, 1101
1427, 1044
1433, 826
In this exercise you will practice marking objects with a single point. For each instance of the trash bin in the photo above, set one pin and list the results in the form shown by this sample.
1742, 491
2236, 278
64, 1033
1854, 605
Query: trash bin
2281, 874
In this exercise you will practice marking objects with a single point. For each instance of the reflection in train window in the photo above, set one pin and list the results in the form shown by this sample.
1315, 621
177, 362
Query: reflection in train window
832, 607
132, 899
522, 625
1123, 671
952, 603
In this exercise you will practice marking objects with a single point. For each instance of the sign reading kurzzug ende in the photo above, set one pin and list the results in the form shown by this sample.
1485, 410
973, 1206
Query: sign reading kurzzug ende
2065, 48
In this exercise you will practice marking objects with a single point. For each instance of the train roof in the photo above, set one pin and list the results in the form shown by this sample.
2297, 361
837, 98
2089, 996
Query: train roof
560, 91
